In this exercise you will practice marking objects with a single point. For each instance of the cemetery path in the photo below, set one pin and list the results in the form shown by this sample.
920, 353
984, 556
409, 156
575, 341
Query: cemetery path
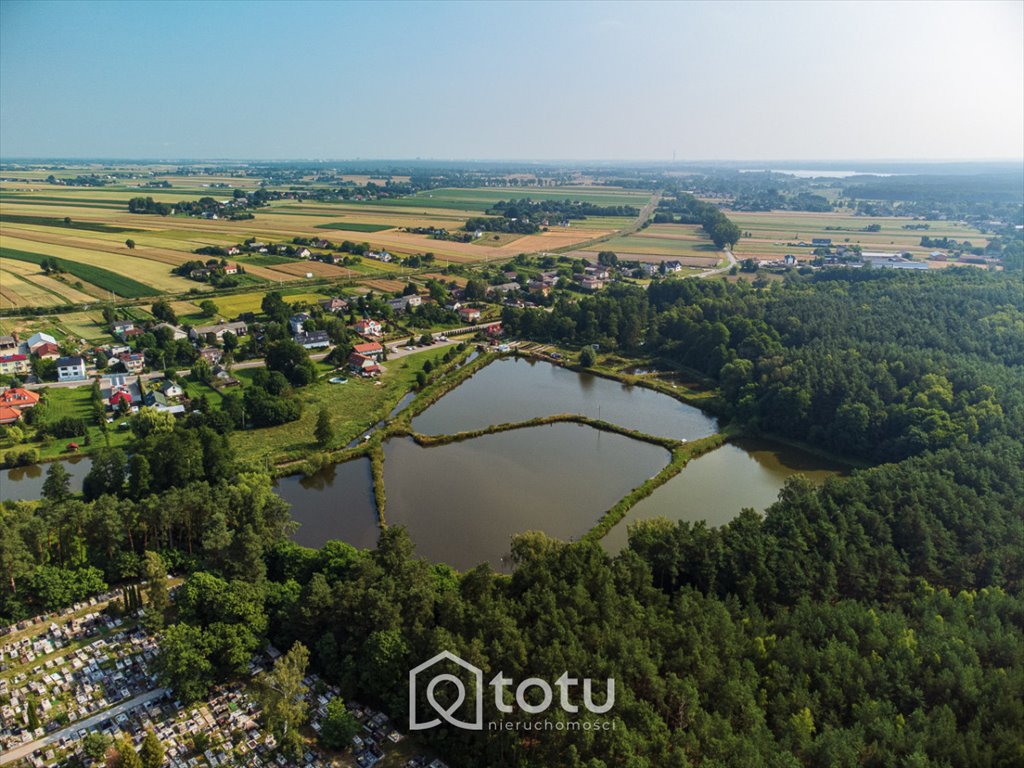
24, 750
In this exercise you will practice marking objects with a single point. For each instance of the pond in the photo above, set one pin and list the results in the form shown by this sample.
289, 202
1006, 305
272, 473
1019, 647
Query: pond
517, 389
715, 487
463, 502
26, 483
335, 503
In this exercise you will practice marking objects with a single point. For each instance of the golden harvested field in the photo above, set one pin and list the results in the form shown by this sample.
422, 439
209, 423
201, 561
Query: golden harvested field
17, 291
137, 266
34, 274
770, 233
302, 268
385, 286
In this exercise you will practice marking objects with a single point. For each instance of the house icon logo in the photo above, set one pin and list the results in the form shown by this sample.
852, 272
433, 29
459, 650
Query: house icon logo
445, 713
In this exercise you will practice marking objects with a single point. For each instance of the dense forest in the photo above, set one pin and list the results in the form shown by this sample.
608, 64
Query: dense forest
876, 620
879, 365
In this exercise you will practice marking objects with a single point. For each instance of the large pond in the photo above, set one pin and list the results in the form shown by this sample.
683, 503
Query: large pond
517, 389
716, 486
463, 502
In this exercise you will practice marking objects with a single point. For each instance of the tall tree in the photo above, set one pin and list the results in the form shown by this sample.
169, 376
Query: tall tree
281, 693
159, 600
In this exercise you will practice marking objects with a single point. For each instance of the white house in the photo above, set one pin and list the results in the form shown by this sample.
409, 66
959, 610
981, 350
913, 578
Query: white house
70, 369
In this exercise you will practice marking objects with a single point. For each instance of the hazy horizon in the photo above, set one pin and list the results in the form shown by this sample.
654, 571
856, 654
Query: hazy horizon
596, 83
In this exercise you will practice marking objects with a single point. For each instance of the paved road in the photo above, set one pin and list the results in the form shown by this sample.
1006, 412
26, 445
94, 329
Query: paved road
720, 270
25, 750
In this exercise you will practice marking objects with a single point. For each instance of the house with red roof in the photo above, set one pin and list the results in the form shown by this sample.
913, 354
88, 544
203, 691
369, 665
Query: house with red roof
369, 349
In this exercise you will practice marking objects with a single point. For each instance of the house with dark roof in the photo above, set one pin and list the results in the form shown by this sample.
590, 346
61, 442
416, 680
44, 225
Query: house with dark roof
71, 369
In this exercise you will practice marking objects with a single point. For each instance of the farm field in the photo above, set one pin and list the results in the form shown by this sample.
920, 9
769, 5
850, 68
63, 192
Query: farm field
770, 232
685, 243
482, 198
28, 271
233, 306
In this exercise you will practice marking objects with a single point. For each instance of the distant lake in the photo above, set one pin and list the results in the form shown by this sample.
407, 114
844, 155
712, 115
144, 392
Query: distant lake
809, 174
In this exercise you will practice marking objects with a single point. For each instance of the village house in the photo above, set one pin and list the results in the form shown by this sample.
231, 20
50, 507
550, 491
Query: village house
234, 250
37, 339
672, 267
334, 304
539, 286
12, 365
8, 415
132, 362
71, 368
176, 333
369, 328
296, 322
231, 269
591, 283
170, 390
504, 288
821, 242
119, 327
601, 273
789, 260
469, 314
212, 355
402, 303
649, 269
238, 328
371, 349
8, 345
46, 351
132, 333
363, 365
313, 339
19, 398
303, 253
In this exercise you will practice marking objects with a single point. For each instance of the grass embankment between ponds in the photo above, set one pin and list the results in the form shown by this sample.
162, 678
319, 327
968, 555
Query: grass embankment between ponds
681, 456
429, 441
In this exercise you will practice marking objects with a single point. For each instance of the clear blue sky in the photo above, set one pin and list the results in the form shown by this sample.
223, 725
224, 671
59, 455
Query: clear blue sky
525, 80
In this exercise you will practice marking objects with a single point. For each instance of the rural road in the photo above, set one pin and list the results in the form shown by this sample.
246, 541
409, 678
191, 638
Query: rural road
720, 270
25, 750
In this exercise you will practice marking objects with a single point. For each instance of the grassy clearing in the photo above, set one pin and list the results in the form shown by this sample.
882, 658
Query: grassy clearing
105, 279
353, 408
354, 226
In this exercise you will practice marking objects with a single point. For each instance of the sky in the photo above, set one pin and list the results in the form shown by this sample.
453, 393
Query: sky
521, 80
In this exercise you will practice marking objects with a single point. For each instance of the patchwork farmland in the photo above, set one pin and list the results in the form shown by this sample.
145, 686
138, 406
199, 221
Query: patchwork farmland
86, 230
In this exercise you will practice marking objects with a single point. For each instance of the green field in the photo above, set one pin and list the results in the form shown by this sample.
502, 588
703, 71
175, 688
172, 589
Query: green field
355, 226
481, 199
50, 221
105, 279
233, 306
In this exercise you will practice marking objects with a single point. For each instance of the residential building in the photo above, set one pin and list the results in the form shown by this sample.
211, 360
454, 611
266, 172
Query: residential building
313, 339
71, 368
303, 253
132, 362
119, 327
370, 349
46, 351
212, 355
170, 390
39, 338
200, 331
13, 365
363, 365
403, 303
296, 322
334, 304
176, 332
469, 314
673, 266
17, 397
369, 328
